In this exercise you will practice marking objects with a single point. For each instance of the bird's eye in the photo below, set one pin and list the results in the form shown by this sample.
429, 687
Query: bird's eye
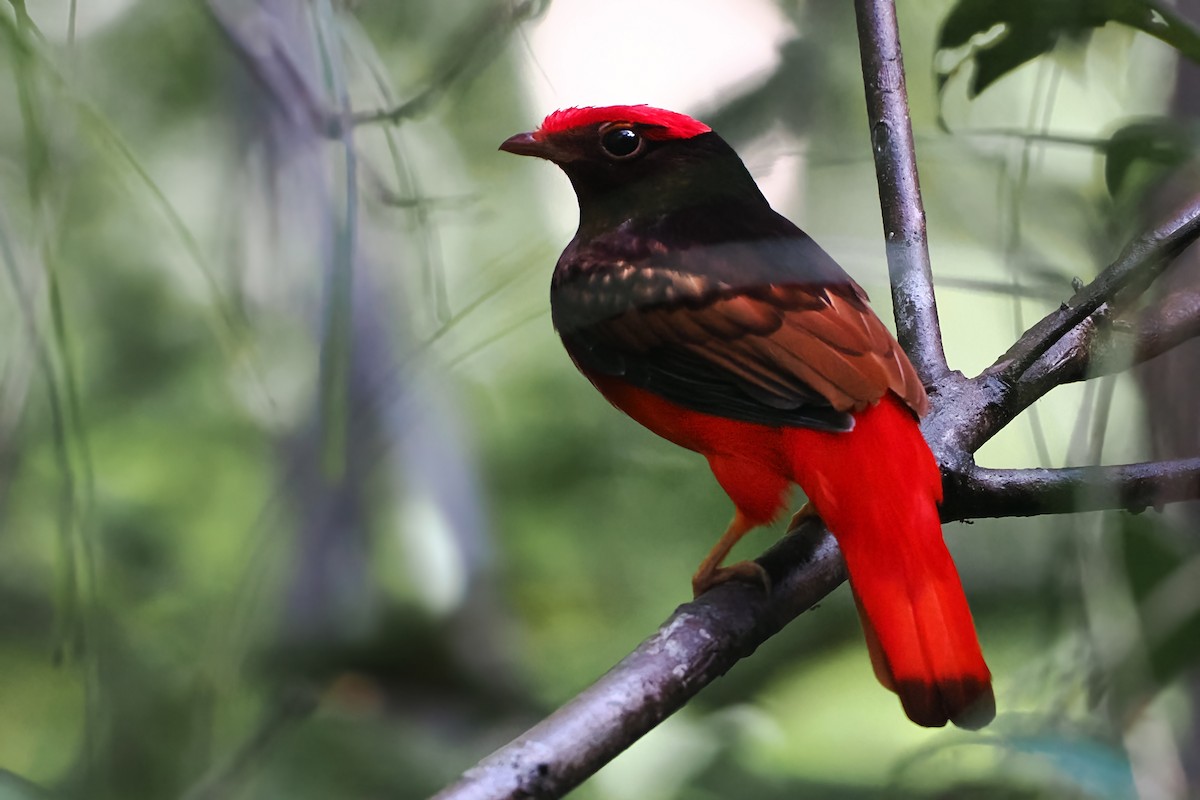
621, 142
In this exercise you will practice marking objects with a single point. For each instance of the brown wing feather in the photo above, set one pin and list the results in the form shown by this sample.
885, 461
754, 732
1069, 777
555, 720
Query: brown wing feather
782, 343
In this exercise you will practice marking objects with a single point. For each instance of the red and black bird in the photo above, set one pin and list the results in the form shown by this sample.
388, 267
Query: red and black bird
718, 324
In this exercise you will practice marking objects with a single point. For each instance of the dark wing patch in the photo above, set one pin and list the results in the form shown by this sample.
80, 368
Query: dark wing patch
769, 331
696, 382
815, 364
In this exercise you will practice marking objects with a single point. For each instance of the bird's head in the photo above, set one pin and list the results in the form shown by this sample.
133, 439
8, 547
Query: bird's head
628, 161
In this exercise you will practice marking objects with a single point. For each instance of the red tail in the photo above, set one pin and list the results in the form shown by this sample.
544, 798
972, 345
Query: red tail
877, 489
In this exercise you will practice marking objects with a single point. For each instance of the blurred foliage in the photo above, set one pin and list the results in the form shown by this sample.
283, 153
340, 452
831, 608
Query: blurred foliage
1140, 155
1002, 36
299, 496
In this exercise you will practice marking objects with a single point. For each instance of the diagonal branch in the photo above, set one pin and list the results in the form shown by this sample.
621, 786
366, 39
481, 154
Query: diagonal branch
917, 326
696, 645
1133, 271
1101, 345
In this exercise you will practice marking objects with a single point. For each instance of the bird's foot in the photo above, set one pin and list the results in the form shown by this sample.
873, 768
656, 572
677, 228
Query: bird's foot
748, 571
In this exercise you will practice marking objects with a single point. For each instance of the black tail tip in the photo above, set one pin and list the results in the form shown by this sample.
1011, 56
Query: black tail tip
980, 711
968, 702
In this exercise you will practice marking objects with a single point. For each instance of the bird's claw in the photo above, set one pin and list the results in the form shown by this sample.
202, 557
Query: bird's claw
748, 571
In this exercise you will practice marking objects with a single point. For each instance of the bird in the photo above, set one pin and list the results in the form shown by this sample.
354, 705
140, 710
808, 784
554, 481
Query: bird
709, 318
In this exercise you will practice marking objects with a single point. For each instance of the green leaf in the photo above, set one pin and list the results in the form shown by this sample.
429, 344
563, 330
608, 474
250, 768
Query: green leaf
1140, 153
1015, 32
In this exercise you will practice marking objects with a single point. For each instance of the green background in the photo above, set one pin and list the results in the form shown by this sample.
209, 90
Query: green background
300, 497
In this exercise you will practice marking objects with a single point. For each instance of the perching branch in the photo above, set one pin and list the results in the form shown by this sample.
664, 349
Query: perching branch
705, 638
696, 645
917, 327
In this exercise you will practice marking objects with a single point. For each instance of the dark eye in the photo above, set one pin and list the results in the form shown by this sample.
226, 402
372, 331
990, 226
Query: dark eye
621, 142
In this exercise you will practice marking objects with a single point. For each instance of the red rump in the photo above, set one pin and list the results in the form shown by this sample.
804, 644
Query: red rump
663, 124
877, 487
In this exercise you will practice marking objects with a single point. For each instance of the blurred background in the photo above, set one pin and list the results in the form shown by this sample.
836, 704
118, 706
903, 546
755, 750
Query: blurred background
300, 497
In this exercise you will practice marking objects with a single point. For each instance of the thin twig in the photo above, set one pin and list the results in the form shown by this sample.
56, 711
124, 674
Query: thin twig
1135, 269
259, 48
293, 705
913, 298
1101, 345
491, 27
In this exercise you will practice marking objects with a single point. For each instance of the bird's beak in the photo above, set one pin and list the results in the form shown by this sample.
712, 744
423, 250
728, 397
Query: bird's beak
523, 144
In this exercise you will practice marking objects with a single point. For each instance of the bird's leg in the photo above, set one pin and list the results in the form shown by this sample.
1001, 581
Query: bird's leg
806, 512
710, 573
